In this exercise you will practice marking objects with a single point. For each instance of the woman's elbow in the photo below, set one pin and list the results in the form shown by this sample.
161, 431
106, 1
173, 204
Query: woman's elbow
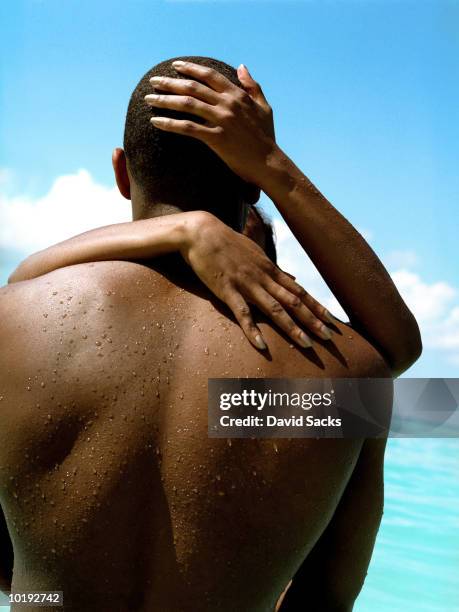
409, 352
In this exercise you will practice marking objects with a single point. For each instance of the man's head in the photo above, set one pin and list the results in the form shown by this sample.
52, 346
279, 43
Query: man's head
167, 168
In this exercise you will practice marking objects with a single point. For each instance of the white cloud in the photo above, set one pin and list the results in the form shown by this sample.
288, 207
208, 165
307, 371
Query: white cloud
436, 309
429, 302
74, 204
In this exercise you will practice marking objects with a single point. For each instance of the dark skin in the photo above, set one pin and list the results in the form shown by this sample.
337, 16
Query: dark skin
110, 449
313, 488
239, 128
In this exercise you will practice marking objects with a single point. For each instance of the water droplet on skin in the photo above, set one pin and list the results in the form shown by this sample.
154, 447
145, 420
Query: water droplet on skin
42, 385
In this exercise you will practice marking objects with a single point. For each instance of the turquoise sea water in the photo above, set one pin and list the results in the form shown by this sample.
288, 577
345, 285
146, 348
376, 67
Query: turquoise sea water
415, 567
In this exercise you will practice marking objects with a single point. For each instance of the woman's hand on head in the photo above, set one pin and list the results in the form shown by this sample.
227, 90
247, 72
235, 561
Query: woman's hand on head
238, 272
239, 124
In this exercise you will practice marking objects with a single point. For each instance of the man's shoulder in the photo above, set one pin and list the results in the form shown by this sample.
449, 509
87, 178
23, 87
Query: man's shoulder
28, 305
347, 355
87, 277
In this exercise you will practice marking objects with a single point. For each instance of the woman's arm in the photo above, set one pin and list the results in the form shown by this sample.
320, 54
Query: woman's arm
231, 265
146, 238
239, 128
350, 267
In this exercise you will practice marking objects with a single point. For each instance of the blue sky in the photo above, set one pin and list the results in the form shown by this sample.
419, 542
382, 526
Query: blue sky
365, 99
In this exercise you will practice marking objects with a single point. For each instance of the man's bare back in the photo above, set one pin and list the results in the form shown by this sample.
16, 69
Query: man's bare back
111, 488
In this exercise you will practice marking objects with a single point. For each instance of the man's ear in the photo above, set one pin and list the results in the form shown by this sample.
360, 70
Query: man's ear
121, 174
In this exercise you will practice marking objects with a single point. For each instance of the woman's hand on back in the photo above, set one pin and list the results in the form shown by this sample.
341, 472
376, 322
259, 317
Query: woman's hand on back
238, 272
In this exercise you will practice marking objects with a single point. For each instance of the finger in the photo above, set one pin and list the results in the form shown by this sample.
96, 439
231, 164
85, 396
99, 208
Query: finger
287, 281
185, 127
288, 274
211, 77
251, 86
297, 308
241, 311
276, 312
186, 87
184, 104
316, 307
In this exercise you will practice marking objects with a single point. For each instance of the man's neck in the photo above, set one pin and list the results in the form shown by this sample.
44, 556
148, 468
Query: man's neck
149, 210
154, 210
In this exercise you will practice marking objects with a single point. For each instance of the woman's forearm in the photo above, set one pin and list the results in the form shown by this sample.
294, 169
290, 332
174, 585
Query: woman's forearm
350, 267
146, 238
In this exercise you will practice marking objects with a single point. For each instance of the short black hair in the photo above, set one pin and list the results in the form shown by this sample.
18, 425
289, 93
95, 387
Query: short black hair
178, 169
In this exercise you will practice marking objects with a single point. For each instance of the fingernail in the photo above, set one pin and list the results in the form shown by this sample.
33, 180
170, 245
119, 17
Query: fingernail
261, 344
157, 120
304, 341
326, 332
155, 79
329, 317
178, 63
